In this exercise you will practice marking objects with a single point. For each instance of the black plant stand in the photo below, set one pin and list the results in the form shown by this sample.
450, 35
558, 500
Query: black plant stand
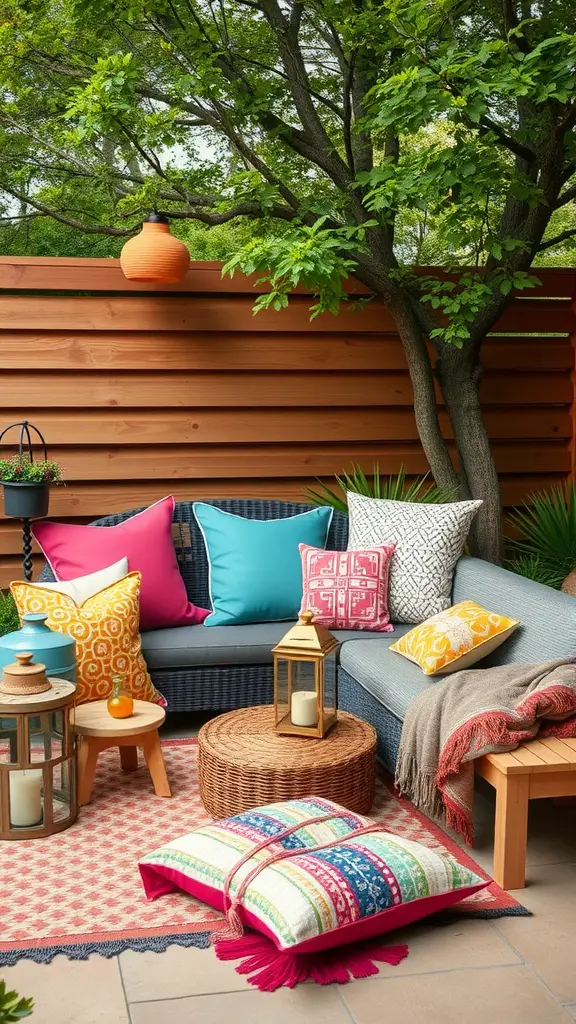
27, 549
35, 502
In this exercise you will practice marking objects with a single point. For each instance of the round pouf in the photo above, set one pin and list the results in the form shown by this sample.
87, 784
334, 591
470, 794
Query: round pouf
243, 763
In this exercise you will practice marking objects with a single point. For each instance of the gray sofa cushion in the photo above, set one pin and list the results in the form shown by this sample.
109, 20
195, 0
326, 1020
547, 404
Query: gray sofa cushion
192, 646
547, 617
391, 679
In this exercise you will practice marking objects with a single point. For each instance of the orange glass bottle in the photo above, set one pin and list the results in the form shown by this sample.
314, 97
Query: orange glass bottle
120, 703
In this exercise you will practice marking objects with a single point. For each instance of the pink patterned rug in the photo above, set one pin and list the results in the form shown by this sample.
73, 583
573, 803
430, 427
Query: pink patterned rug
79, 892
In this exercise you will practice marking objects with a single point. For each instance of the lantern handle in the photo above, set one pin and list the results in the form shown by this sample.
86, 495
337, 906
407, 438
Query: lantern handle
25, 432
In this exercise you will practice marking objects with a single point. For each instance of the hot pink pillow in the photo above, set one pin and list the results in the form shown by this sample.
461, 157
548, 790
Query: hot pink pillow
146, 541
347, 589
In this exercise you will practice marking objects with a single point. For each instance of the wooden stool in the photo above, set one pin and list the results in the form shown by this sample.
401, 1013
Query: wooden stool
98, 731
541, 768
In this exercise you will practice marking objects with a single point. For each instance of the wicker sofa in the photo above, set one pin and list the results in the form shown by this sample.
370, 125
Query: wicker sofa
221, 667
218, 667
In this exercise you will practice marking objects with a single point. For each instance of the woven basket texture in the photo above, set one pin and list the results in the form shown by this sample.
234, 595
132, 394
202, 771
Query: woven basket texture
243, 763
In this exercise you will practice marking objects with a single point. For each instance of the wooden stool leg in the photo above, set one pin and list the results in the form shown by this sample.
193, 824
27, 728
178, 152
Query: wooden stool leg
511, 831
153, 753
129, 758
87, 760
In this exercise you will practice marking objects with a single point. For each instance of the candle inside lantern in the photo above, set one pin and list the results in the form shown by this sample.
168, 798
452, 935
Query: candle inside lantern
26, 798
304, 708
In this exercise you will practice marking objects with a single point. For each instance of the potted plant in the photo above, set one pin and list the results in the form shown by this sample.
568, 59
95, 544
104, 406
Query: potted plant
27, 485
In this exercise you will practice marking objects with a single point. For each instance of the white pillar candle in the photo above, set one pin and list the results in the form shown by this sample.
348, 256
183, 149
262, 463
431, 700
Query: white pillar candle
26, 798
304, 708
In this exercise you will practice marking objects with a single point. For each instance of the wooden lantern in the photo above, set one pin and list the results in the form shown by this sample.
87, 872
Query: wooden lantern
305, 680
38, 785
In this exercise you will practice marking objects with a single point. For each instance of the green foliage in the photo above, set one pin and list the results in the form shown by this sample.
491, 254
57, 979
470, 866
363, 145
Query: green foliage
317, 257
546, 527
20, 469
9, 620
394, 487
12, 1007
534, 568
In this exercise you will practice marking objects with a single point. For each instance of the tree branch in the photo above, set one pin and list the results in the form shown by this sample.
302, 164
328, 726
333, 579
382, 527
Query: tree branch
562, 237
22, 216
566, 197
90, 229
524, 152
242, 209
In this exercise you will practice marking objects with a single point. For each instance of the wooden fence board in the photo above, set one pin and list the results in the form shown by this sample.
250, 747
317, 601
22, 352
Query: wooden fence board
263, 461
197, 350
251, 426
181, 313
97, 275
201, 350
234, 313
307, 388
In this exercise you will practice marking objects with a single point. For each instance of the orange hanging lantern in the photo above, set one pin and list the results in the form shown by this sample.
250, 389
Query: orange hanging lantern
154, 254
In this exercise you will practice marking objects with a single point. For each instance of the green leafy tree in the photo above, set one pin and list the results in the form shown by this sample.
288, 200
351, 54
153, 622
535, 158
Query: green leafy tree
341, 127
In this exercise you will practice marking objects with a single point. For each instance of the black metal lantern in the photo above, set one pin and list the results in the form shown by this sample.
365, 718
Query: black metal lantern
26, 499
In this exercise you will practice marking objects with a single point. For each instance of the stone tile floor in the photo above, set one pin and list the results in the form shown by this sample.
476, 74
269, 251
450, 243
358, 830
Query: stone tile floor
508, 970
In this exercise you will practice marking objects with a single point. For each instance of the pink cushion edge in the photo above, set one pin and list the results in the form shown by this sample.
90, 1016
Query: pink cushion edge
161, 880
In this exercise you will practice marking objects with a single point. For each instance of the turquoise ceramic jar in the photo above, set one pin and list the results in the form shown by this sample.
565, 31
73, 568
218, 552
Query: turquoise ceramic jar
54, 650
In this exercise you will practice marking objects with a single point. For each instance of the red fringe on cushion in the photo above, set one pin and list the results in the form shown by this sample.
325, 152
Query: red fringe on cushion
271, 968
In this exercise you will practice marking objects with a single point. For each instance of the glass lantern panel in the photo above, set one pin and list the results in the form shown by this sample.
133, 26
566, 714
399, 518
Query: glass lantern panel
26, 798
304, 700
45, 736
61, 775
9, 740
330, 684
282, 688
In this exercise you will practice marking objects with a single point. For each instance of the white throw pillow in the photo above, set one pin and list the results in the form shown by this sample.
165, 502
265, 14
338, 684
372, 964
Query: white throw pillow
84, 587
429, 542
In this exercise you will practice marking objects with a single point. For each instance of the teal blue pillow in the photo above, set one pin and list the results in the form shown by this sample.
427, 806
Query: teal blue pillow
255, 565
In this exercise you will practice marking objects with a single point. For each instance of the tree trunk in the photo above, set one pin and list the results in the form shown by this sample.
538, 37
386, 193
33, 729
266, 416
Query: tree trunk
422, 377
459, 373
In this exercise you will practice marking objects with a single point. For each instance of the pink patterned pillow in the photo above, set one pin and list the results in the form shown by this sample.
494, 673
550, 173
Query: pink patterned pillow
146, 541
347, 589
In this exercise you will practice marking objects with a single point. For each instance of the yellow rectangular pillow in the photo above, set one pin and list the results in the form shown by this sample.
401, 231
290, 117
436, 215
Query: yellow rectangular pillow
107, 633
455, 638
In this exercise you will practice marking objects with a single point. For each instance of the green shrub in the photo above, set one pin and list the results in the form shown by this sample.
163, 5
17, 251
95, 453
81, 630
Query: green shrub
9, 620
12, 1006
377, 486
545, 545
534, 568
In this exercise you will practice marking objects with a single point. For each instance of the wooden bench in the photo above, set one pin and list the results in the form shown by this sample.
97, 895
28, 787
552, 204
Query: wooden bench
541, 768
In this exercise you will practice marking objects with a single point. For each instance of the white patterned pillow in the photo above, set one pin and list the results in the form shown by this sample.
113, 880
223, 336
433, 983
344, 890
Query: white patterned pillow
429, 542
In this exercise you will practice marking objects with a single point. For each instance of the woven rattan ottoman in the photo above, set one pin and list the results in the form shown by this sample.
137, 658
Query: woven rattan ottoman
242, 763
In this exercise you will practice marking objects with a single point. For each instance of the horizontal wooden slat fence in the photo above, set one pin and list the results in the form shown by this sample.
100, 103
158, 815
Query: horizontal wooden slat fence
141, 393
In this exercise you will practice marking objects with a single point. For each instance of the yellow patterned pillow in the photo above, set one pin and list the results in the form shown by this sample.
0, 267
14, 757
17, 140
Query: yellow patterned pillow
455, 639
106, 630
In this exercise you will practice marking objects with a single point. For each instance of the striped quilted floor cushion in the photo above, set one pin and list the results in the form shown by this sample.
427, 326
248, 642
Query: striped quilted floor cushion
308, 874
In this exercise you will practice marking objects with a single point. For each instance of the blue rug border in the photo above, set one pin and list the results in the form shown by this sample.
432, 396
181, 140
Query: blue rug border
107, 948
